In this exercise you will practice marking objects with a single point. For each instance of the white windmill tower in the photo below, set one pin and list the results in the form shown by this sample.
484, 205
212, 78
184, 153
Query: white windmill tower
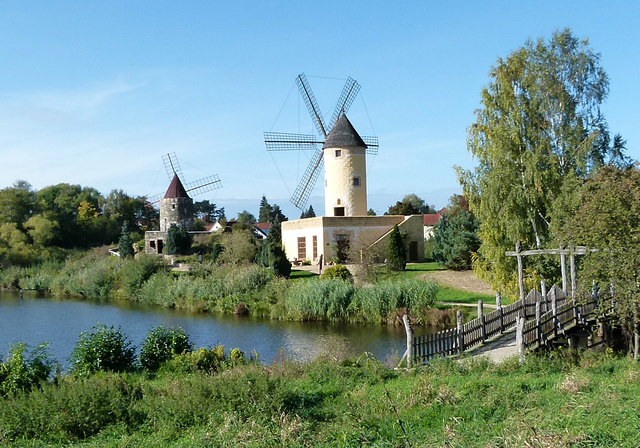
343, 150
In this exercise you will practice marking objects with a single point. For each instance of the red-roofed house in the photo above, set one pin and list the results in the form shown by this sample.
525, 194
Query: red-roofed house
430, 220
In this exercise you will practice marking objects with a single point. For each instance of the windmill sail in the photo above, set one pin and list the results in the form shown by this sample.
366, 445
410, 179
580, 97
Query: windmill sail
277, 141
303, 190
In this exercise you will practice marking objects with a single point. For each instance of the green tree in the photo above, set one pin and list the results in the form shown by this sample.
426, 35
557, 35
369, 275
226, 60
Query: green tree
396, 251
125, 244
43, 231
16, 203
539, 126
178, 241
278, 261
238, 247
310, 213
605, 216
207, 211
244, 217
265, 210
411, 204
455, 239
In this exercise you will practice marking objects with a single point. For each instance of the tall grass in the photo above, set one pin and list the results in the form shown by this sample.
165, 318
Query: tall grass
561, 401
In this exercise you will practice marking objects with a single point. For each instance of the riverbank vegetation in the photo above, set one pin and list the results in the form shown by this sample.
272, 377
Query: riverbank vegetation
244, 289
208, 397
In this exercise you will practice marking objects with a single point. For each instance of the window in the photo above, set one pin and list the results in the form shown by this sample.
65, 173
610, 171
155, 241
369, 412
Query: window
356, 181
338, 211
338, 153
315, 247
302, 248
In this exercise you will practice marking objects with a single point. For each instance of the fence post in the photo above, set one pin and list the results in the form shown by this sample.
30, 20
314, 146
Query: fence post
409, 330
538, 323
554, 312
483, 328
460, 333
572, 267
520, 338
520, 270
499, 305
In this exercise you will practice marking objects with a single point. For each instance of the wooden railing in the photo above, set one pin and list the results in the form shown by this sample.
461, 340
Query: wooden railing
557, 321
486, 326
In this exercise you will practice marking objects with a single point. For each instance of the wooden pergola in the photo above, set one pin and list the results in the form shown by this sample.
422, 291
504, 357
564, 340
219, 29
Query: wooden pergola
562, 251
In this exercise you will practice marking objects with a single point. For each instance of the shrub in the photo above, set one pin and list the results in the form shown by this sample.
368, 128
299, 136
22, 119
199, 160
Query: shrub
137, 272
106, 349
162, 344
22, 372
338, 271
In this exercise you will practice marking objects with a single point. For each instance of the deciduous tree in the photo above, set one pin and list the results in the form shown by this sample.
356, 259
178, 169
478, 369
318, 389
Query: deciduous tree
539, 126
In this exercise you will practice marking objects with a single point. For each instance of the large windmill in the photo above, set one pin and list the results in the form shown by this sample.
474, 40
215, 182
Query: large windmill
337, 134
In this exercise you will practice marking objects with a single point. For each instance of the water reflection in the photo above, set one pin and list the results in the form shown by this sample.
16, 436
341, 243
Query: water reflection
34, 320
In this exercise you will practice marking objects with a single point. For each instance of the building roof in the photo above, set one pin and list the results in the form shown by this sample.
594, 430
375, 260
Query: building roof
344, 135
263, 225
431, 219
175, 190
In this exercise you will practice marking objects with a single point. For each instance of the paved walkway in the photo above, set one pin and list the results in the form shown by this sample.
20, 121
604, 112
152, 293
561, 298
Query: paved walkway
499, 348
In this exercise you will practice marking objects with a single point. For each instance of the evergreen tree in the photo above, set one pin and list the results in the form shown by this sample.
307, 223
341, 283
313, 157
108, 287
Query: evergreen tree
310, 213
265, 210
396, 251
455, 239
178, 241
125, 244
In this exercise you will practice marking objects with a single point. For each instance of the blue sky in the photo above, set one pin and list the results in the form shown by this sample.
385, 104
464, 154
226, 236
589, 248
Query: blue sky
94, 93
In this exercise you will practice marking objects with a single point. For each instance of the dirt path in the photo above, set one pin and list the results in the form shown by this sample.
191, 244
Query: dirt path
464, 280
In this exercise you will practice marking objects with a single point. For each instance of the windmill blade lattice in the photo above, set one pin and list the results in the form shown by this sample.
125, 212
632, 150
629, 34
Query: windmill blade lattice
303, 190
200, 186
280, 141
172, 166
349, 93
311, 103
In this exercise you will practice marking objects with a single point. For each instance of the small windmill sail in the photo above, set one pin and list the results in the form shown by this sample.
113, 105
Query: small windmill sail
200, 186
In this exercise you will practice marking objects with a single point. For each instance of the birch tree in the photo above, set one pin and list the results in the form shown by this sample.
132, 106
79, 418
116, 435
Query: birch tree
539, 126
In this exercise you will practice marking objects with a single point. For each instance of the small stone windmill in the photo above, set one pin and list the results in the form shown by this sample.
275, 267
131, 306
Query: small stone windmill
343, 151
176, 206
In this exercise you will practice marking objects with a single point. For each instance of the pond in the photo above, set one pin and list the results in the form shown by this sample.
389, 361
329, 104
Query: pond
34, 320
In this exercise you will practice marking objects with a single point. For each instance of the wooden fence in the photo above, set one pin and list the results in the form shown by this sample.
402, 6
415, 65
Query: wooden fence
485, 326
555, 322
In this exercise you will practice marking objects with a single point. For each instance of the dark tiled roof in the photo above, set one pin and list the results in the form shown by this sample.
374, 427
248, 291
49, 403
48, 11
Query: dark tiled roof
175, 190
343, 135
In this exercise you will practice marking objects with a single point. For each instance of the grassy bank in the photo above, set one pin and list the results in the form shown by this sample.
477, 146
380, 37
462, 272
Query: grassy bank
247, 289
560, 401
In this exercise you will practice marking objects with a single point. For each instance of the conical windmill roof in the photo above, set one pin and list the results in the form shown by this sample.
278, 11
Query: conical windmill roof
344, 135
175, 190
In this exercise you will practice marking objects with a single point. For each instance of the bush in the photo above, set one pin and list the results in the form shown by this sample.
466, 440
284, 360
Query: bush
162, 344
106, 349
137, 272
338, 271
20, 373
